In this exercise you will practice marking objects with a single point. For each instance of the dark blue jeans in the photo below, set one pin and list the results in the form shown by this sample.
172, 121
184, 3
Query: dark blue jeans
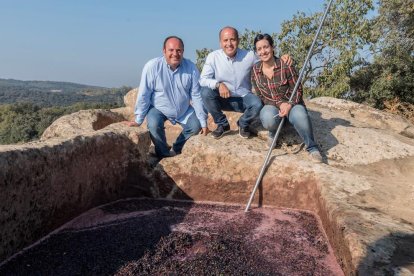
249, 105
155, 124
298, 117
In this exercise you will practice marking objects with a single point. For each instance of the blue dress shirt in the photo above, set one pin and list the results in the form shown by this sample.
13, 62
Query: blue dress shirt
233, 72
171, 92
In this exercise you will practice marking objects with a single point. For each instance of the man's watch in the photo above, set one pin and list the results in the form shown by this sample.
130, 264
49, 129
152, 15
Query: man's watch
218, 85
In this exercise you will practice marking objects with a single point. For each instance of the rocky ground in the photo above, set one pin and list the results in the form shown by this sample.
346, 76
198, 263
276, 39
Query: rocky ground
363, 194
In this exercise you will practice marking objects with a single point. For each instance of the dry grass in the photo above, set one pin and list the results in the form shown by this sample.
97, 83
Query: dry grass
403, 109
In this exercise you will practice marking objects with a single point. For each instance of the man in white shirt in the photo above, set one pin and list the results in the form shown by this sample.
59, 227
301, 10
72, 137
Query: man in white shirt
226, 85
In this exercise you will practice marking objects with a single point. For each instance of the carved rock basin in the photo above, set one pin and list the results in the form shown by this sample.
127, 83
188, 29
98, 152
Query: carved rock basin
159, 237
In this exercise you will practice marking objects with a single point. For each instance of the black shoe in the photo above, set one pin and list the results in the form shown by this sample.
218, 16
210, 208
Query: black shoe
153, 161
244, 132
220, 131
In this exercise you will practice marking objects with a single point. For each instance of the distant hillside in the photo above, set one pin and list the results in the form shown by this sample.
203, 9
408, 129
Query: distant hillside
52, 93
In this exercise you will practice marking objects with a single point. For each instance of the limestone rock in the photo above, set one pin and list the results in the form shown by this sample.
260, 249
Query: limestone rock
367, 115
44, 184
125, 112
131, 98
364, 193
80, 122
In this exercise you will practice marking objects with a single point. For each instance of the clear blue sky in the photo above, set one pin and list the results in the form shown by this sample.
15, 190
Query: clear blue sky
107, 42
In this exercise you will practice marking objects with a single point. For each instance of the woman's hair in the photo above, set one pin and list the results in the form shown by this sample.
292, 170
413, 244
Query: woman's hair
263, 36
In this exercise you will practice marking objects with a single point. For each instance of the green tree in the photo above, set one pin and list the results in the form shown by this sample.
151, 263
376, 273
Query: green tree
338, 49
47, 116
391, 74
246, 39
24, 122
201, 57
18, 122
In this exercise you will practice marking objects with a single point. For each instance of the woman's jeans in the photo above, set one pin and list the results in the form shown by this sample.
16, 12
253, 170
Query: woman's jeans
298, 117
155, 124
249, 105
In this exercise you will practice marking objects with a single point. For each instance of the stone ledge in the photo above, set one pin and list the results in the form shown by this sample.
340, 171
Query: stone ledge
44, 184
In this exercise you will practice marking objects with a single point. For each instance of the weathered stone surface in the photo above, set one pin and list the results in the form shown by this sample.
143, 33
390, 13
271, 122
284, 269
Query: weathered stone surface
365, 196
130, 99
351, 140
366, 115
79, 122
45, 184
125, 112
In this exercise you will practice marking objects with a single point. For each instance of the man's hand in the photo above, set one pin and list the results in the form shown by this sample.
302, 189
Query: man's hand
204, 130
284, 109
224, 91
286, 59
131, 123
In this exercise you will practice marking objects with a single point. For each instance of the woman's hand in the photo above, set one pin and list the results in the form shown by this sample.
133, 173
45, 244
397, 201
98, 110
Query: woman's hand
284, 109
287, 59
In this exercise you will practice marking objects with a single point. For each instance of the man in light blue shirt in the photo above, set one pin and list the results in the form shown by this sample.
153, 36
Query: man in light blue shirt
169, 90
226, 85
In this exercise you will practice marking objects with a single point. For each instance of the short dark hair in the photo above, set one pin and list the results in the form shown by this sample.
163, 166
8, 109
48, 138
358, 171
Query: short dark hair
173, 36
263, 36
229, 27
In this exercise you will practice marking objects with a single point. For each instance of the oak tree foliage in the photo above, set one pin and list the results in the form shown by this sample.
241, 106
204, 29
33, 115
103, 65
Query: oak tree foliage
364, 51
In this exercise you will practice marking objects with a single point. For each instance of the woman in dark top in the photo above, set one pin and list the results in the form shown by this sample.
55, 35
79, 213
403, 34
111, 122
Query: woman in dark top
273, 81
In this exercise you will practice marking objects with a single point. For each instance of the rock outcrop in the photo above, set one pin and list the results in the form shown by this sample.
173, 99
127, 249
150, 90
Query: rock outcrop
366, 115
364, 193
129, 100
45, 184
81, 122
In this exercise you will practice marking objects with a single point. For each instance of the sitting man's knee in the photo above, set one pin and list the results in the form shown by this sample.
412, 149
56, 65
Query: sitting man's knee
257, 106
255, 102
154, 124
193, 125
206, 93
195, 128
195, 131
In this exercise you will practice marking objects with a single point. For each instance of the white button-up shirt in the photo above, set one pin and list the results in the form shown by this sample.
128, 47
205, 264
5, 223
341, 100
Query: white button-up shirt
233, 72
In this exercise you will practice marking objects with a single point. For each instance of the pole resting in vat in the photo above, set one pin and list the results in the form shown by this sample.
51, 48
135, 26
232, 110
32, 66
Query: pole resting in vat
302, 71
